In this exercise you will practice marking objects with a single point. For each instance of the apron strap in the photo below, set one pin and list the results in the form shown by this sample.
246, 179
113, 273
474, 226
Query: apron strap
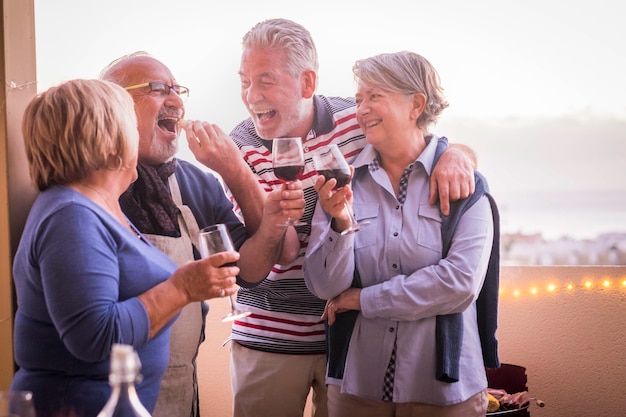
189, 221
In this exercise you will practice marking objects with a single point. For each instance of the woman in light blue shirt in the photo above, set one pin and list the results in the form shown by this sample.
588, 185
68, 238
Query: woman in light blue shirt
391, 274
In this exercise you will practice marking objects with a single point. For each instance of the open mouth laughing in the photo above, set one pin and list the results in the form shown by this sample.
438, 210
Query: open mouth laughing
263, 116
169, 124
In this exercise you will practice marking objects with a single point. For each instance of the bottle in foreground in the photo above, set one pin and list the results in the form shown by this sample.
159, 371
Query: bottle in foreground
16, 404
125, 367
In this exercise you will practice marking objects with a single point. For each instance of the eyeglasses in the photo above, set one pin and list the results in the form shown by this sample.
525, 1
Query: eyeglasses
162, 88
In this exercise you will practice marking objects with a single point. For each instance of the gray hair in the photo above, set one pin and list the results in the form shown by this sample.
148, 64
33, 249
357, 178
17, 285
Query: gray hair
111, 72
407, 73
289, 36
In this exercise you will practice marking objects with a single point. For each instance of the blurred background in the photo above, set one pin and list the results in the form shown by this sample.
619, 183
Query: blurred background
535, 87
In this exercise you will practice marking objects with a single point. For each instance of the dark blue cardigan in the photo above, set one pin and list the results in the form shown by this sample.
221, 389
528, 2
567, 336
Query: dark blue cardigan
449, 329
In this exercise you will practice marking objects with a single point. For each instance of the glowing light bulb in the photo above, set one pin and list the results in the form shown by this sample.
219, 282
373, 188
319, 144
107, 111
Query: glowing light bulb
605, 283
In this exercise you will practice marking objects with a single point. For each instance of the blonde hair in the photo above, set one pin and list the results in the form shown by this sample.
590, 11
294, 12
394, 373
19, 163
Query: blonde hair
75, 128
288, 36
407, 73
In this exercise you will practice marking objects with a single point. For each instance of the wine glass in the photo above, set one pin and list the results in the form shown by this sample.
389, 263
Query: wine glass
330, 163
16, 404
288, 163
215, 239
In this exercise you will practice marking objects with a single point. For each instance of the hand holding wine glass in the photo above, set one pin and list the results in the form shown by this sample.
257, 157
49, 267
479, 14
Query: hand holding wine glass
330, 163
215, 239
288, 163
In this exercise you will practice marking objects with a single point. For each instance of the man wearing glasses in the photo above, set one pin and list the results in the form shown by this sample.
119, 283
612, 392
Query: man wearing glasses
172, 199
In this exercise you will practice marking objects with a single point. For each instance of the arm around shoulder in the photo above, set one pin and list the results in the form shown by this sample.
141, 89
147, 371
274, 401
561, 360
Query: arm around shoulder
452, 178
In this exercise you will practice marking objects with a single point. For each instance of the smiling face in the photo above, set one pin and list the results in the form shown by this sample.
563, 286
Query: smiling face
386, 117
279, 103
157, 114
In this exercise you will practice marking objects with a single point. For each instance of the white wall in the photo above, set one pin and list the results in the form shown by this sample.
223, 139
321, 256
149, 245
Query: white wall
572, 342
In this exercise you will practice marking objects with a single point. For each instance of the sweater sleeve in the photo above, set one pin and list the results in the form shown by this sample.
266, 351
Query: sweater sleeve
80, 269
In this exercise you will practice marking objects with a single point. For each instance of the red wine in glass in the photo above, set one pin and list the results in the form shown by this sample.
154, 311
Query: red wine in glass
288, 164
330, 163
338, 174
214, 239
288, 173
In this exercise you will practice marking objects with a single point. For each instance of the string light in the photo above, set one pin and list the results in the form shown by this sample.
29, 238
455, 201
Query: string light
15, 86
551, 288
12, 86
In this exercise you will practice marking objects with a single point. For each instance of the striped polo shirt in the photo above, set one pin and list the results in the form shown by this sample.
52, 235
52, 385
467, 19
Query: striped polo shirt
285, 315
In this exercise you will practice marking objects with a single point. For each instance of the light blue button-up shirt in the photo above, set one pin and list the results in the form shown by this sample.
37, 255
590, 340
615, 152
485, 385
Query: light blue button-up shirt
405, 282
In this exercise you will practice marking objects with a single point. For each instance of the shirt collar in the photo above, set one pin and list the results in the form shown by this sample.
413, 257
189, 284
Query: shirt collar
426, 158
323, 120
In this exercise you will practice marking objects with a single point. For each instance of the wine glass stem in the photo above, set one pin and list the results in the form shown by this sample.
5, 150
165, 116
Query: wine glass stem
290, 221
353, 222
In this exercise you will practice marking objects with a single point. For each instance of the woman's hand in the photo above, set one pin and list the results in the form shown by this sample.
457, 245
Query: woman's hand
194, 281
335, 202
350, 299
209, 277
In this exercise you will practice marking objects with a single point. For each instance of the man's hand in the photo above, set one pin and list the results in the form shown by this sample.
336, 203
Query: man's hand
214, 148
453, 177
272, 243
285, 202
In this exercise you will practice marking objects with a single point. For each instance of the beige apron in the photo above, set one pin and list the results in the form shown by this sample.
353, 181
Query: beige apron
179, 388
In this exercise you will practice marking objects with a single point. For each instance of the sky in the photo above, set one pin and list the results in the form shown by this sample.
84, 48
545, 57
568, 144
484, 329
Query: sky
501, 62
496, 58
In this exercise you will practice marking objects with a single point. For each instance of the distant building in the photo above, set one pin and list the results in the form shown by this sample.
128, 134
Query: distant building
533, 249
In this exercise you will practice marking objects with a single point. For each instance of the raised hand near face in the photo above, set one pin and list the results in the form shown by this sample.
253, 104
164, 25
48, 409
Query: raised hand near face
212, 147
